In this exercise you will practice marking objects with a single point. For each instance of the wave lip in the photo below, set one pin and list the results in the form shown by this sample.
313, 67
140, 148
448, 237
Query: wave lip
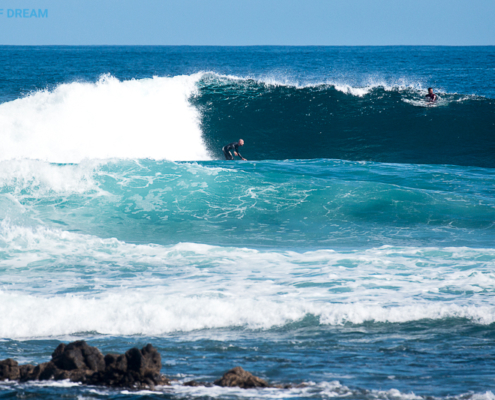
214, 79
146, 118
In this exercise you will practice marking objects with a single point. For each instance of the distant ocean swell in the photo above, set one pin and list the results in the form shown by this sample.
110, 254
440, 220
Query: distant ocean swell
192, 117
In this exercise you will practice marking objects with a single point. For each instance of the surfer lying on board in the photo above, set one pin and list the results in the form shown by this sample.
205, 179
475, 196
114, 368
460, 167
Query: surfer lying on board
431, 97
233, 146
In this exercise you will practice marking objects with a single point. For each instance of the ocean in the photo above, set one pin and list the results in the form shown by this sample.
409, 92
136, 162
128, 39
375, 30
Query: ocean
354, 251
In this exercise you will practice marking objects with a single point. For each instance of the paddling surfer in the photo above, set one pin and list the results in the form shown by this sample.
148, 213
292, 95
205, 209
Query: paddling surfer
431, 97
234, 147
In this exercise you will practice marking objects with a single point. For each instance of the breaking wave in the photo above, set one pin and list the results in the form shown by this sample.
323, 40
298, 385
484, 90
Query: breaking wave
192, 117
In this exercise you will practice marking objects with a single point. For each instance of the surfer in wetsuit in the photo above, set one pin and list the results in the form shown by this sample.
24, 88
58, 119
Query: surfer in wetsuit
431, 97
235, 147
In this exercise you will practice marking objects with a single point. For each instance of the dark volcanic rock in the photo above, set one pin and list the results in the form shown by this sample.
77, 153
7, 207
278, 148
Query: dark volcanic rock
115, 364
78, 355
237, 377
145, 362
195, 383
136, 368
25, 372
32, 372
9, 369
76, 361
46, 371
80, 362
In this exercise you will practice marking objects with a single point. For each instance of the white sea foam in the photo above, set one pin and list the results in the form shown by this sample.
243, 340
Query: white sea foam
371, 84
57, 283
484, 396
323, 389
194, 168
146, 118
358, 90
42, 178
135, 312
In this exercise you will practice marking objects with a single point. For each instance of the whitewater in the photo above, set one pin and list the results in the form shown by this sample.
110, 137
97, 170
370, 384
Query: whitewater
82, 120
354, 251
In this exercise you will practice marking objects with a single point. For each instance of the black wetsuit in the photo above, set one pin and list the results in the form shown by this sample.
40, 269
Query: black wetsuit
232, 146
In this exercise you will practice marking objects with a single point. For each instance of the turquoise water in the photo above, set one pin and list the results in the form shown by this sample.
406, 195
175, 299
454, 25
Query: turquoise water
353, 251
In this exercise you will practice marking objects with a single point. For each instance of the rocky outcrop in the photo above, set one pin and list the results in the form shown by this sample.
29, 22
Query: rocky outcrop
238, 377
136, 369
9, 370
80, 362
78, 355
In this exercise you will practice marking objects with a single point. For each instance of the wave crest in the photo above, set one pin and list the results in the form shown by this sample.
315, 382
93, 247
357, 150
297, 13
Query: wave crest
146, 118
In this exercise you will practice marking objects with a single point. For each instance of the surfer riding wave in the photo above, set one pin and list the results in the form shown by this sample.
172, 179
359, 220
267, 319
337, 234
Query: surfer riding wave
235, 147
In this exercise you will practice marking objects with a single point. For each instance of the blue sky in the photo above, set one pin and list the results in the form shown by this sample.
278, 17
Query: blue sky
250, 22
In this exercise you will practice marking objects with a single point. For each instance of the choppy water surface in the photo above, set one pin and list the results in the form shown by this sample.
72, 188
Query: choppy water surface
353, 252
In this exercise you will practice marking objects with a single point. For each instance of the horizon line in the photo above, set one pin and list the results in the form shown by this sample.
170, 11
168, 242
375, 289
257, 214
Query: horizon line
248, 45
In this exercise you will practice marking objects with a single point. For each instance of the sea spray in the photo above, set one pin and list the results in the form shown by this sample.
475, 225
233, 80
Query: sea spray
146, 118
